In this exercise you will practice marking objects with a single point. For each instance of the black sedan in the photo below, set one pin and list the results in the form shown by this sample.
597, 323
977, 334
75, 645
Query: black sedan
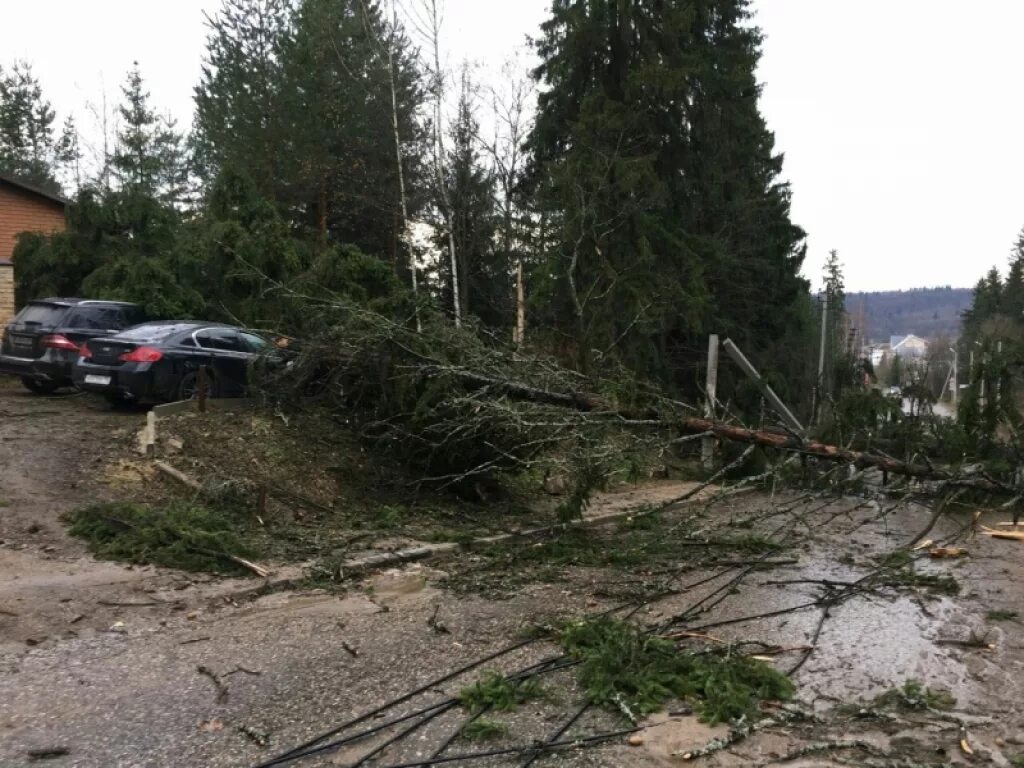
159, 361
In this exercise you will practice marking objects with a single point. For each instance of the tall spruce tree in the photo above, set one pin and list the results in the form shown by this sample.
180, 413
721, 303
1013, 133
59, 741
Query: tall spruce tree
1012, 299
28, 144
148, 160
341, 171
239, 121
484, 273
661, 181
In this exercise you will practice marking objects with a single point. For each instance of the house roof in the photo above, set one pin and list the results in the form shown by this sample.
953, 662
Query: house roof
16, 182
897, 341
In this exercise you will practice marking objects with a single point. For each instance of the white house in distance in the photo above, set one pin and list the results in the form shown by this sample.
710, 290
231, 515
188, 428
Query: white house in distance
908, 347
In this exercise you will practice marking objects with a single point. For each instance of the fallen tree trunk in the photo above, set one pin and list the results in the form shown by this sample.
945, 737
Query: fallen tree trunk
787, 442
591, 403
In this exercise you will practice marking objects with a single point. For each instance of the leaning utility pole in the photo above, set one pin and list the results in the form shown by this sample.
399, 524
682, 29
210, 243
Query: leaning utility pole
773, 399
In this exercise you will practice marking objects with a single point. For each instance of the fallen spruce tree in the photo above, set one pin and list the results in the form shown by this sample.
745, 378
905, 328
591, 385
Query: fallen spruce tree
461, 408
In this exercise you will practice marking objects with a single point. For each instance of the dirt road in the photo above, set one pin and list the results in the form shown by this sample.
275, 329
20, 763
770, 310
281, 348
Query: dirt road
103, 665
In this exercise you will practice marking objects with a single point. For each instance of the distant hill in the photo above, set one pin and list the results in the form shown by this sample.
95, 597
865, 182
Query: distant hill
926, 312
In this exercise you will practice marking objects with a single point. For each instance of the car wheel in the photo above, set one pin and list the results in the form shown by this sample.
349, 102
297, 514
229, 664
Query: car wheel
38, 387
188, 388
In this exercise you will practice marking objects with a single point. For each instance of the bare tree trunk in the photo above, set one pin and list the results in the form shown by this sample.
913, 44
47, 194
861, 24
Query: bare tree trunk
435, 33
510, 104
398, 159
520, 332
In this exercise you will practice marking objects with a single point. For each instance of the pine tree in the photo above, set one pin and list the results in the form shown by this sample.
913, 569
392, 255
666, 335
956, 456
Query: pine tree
484, 276
662, 184
239, 120
340, 167
68, 153
27, 144
1012, 297
148, 160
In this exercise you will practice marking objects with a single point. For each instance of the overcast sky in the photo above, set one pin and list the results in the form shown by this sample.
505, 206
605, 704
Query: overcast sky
901, 120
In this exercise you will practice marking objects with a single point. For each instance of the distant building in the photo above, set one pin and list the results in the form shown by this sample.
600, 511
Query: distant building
909, 347
878, 354
23, 208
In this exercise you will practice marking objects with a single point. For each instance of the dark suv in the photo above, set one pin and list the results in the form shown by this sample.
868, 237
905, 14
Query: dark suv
41, 343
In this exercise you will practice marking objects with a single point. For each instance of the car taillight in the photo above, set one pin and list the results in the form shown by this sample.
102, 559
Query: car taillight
142, 355
84, 352
57, 341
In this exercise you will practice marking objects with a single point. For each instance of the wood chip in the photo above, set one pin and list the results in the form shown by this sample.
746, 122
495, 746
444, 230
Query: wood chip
940, 552
1015, 535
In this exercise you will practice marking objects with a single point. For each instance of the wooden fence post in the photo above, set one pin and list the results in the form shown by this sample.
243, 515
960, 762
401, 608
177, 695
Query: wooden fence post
201, 383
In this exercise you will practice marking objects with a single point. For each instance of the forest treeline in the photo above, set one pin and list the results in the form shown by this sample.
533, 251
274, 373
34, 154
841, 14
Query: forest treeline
925, 312
624, 200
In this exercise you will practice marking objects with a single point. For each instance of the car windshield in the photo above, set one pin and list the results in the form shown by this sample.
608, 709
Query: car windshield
253, 343
98, 317
41, 314
149, 332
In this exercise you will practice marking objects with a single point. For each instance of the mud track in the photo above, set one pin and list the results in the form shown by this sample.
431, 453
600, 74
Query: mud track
101, 664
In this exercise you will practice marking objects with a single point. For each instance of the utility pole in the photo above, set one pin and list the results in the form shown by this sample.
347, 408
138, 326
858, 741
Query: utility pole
999, 381
819, 386
954, 378
707, 445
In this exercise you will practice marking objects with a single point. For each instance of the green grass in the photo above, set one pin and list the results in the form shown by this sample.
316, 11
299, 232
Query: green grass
388, 517
499, 693
178, 535
914, 696
483, 729
1002, 615
1017, 761
625, 669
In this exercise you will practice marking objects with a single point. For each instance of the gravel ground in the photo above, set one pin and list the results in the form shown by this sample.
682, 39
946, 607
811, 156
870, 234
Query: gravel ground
124, 666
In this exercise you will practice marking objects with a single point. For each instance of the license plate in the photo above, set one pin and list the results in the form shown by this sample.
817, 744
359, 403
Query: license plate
92, 378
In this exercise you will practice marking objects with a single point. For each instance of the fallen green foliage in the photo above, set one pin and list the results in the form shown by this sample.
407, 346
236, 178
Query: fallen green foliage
913, 696
462, 410
897, 570
623, 668
179, 535
933, 582
1001, 615
639, 545
483, 729
499, 693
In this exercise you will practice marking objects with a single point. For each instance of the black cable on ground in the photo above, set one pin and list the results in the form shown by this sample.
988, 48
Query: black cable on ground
539, 749
395, 702
556, 735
